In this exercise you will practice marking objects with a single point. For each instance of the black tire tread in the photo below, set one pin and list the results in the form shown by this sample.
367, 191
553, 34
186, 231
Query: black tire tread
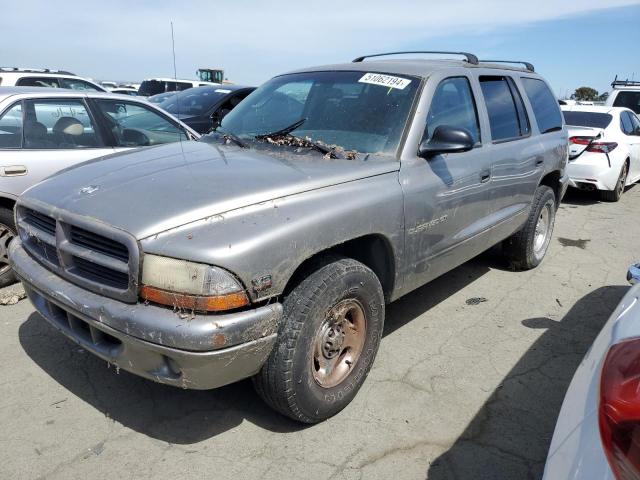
518, 248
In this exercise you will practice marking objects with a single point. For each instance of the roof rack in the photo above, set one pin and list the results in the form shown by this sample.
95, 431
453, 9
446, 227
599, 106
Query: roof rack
527, 65
624, 83
470, 57
34, 70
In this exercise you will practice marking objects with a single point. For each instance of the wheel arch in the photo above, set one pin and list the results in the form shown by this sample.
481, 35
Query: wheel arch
373, 250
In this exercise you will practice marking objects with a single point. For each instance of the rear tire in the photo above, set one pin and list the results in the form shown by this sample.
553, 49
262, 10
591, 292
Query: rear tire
615, 194
7, 232
328, 339
526, 248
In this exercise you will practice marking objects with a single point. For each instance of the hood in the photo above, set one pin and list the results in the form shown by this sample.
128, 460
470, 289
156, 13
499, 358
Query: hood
154, 189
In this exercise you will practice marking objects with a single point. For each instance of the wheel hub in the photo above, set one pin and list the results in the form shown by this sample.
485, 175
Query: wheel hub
338, 343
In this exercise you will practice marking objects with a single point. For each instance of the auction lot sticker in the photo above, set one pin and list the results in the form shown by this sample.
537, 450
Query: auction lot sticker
385, 80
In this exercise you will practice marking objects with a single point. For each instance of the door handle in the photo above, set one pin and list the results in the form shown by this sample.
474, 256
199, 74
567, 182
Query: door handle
13, 171
485, 176
539, 162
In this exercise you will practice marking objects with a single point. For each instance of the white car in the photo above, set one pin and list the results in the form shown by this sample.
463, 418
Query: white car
32, 77
43, 130
597, 436
625, 93
604, 149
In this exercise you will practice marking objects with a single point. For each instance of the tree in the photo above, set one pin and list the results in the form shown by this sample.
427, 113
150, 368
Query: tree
585, 94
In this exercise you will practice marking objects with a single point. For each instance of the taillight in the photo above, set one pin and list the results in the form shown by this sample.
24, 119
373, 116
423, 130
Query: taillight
619, 409
602, 147
580, 140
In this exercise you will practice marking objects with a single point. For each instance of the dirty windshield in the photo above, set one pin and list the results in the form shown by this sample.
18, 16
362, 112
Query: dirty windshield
359, 111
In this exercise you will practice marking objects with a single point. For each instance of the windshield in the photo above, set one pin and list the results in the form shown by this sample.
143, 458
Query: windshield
360, 111
587, 119
195, 101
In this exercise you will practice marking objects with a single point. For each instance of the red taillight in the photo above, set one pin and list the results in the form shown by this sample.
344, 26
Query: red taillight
619, 409
580, 140
602, 147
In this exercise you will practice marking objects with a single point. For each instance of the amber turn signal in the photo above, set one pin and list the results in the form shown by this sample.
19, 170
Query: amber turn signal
198, 303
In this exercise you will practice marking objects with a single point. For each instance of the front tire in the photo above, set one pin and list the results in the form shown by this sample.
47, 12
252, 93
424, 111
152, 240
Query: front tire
526, 248
615, 194
7, 232
327, 342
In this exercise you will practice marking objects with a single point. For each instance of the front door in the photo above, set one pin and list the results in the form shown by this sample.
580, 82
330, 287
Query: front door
446, 195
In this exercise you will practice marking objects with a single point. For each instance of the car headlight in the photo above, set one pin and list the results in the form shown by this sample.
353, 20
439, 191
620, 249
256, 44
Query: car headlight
190, 285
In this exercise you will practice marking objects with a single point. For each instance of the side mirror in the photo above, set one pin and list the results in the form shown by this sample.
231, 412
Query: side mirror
446, 139
633, 274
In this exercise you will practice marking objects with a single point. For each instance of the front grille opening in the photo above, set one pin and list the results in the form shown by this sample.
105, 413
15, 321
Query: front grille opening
99, 274
44, 250
99, 243
40, 221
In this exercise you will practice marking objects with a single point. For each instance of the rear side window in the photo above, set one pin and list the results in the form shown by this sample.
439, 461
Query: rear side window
38, 82
11, 127
151, 87
630, 100
587, 119
626, 123
77, 84
544, 104
504, 119
453, 105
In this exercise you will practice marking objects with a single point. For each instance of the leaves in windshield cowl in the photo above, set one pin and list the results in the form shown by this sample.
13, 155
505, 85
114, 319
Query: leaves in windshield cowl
334, 151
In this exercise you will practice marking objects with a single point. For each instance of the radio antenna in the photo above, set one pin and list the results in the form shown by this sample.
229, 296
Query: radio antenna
173, 46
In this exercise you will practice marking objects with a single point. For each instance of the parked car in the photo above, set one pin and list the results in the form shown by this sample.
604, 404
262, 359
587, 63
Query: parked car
202, 108
269, 248
154, 86
124, 91
29, 77
625, 93
598, 429
160, 97
44, 130
604, 149
109, 85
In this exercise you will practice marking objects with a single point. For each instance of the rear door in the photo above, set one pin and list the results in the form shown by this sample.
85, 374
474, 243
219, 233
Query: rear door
54, 133
517, 157
633, 138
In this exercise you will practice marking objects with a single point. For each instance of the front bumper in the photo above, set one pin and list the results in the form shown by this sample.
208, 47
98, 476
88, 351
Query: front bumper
176, 348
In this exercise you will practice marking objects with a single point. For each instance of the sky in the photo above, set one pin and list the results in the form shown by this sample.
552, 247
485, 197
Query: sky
571, 43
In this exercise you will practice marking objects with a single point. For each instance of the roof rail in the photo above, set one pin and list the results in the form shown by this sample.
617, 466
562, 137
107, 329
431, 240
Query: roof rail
624, 83
470, 57
34, 70
527, 65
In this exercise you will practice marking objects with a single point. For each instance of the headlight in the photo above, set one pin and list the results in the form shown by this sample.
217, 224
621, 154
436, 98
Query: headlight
189, 285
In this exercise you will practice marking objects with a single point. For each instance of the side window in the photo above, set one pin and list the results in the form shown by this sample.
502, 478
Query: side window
630, 100
544, 104
11, 127
38, 82
77, 84
183, 86
636, 124
58, 124
625, 123
501, 106
134, 125
523, 118
453, 105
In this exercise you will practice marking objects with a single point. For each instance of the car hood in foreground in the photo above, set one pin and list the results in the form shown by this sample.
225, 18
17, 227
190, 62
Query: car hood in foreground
154, 189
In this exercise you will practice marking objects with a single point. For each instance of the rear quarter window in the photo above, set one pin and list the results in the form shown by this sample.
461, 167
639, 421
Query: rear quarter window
544, 104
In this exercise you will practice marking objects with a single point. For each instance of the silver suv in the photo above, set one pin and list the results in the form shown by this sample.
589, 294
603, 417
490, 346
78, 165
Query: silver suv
270, 248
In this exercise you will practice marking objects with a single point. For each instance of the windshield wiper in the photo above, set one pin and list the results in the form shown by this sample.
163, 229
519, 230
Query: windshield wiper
233, 137
283, 131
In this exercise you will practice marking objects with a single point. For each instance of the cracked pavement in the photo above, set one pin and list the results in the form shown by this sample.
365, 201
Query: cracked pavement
458, 390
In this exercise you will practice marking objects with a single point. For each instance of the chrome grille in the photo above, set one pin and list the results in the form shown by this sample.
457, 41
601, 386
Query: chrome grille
90, 254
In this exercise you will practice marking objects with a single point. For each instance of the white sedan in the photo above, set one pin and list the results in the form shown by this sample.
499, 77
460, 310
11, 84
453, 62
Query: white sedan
43, 130
598, 431
604, 149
